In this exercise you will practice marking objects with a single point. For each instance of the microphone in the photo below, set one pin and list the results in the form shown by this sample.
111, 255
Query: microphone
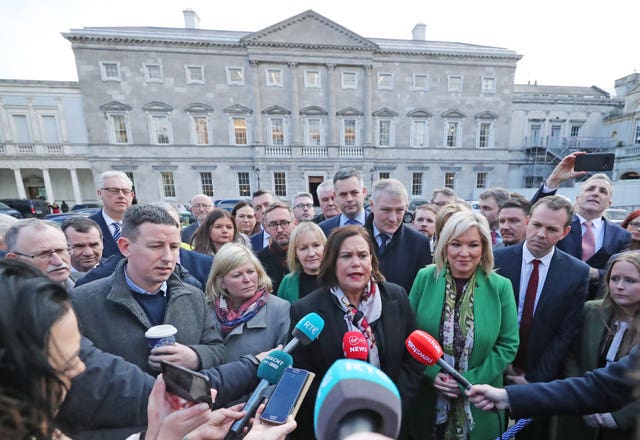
354, 346
269, 371
426, 350
355, 396
305, 331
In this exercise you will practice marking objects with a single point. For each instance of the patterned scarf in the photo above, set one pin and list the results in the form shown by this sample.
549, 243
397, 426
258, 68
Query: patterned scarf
358, 318
456, 334
230, 319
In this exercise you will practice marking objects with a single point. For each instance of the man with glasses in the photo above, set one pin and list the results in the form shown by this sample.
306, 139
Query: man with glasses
42, 244
201, 206
115, 189
85, 240
279, 223
443, 196
303, 207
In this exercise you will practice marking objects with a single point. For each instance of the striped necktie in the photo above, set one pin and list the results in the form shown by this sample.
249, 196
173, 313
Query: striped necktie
116, 231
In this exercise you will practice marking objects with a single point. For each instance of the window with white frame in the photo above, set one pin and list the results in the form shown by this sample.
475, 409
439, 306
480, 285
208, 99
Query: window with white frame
454, 83
349, 80
153, 73
450, 180
385, 81
452, 133
273, 77
119, 132
200, 127
239, 130
206, 183
312, 78
110, 70
575, 130
195, 74
235, 76
160, 129
21, 131
168, 185
485, 134
350, 132
50, 132
384, 175
244, 184
636, 137
416, 184
384, 132
420, 81
488, 85
481, 180
313, 132
276, 130
419, 133
535, 132
280, 183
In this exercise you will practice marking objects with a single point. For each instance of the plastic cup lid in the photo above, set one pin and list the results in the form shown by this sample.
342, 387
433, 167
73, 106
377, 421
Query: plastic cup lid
161, 331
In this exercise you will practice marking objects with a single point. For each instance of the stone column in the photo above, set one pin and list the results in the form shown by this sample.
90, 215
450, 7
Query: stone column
258, 134
294, 103
76, 186
22, 194
331, 106
47, 185
368, 97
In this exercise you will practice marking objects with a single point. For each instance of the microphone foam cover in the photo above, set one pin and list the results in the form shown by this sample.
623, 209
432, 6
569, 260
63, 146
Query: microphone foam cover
354, 346
308, 328
349, 386
273, 365
423, 347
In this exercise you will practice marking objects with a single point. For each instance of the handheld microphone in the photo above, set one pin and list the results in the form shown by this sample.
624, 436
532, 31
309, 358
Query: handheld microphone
305, 331
354, 346
426, 350
269, 371
355, 396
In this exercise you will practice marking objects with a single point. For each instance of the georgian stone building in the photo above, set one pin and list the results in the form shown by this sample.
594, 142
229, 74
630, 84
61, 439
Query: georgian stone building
225, 112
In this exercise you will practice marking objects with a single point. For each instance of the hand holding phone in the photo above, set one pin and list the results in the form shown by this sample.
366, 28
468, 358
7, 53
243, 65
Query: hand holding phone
189, 385
287, 396
594, 162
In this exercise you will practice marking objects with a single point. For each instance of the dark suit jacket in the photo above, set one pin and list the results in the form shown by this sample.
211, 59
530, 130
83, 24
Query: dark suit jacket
197, 265
391, 330
110, 245
558, 315
329, 225
257, 241
187, 232
406, 253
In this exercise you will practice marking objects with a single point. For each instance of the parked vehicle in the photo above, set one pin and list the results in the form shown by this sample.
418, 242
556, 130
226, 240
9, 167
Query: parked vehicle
59, 218
616, 216
28, 207
8, 210
85, 206
226, 204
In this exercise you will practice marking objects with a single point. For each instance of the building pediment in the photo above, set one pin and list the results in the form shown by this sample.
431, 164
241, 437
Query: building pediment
238, 109
454, 114
385, 113
276, 110
420, 113
115, 106
156, 106
487, 115
310, 30
349, 111
198, 107
313, 110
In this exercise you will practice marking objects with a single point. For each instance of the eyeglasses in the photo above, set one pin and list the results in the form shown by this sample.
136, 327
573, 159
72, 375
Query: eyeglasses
634, 224
124, 191
282, 223
304, 205
202, 205
45, 255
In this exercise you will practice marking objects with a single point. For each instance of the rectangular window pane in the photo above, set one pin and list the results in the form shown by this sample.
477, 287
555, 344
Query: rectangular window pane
280, 184
419, 128
488, 85
22, 129
277, 131
535, 134
349, 132
556, 131
481, 180
575, 131
50, 129
274, 77
483, 136
637, 133
235, 75
385, 81
195, 73
384, 133
420, 82
168, 186
311, 78
111, 70
452, 134
244, 187
384, 175
207, 183
201, 126
314, 135
455, 84
416, 184
161, 129
349, 80
449, 180
120, 129
240, 130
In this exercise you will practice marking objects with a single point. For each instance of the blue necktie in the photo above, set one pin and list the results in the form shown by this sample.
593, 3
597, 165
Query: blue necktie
383, 243
352, 221
116, 231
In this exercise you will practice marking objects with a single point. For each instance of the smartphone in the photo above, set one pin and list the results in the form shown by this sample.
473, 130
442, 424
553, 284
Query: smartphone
287, 396
190, 385
594, 162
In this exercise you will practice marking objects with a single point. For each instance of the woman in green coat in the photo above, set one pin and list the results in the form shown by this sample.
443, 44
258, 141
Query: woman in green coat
471, 311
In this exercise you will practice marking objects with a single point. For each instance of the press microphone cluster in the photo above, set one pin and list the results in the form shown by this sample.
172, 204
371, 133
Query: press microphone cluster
354, 346
426, 350
306, 330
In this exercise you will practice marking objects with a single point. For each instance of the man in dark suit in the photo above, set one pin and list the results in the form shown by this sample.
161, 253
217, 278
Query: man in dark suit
490, 201
593, 238
279, 222
327, 198
84, 237
350, 194
550, 288
402, 251
261, 200
201, 205
115, 189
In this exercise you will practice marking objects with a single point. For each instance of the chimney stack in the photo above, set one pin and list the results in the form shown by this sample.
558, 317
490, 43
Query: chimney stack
419, 32
191, 19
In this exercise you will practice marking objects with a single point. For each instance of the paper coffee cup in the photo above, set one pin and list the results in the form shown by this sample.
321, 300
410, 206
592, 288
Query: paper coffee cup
160, 335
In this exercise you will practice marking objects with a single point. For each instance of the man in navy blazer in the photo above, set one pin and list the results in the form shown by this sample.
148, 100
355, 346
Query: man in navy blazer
405, 251
261, 200
591, 203
115, 189
350, 195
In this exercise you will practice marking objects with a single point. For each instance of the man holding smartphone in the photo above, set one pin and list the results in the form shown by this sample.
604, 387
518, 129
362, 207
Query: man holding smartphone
592, 238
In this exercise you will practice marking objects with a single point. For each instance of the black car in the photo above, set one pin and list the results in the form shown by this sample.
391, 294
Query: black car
85, 206
8, 210
29, 207
59, 218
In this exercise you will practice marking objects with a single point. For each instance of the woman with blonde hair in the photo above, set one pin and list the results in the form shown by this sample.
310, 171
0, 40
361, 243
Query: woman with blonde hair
252, 320
304, 255
471, 311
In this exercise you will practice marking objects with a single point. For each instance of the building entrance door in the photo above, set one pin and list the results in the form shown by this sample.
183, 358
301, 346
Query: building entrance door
314, 181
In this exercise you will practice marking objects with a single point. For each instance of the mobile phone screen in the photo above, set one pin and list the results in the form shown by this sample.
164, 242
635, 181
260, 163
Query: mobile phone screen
285, 395
189, 385
594, 162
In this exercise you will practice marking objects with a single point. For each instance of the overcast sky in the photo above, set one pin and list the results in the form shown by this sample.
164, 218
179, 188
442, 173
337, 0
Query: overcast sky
563, 42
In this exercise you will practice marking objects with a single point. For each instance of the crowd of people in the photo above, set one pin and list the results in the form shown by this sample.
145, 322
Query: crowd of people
522, 291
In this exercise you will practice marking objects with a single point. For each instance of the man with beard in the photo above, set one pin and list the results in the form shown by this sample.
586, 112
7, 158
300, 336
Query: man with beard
279, 222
